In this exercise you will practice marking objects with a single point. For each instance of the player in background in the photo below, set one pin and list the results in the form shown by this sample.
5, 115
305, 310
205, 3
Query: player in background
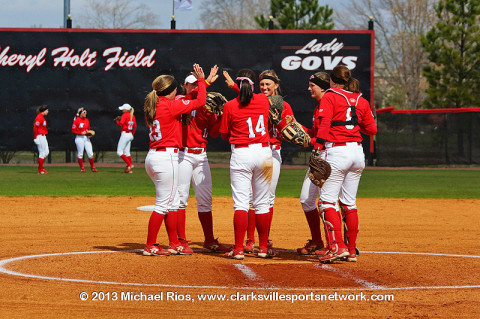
162, 115
128, 126
318, 84
193, 166
342, 116
245, 124
40, 137
80, 127
269, 85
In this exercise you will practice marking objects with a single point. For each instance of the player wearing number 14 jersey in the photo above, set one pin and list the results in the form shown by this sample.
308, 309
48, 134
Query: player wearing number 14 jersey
244, 124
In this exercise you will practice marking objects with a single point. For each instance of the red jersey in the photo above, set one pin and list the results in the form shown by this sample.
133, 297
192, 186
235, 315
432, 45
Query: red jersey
202, 124
246, 124
167, 128
39, 126
80, 125
337, 107
127, 125
275, 136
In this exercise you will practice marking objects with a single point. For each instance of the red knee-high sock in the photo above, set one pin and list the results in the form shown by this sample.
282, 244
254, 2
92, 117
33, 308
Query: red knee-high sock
240, 224
40, 163
80, 162
350, 224
181, 219
125, 159
206, 220
270, 215
313, 219
171, 225
251, 225
129, 158
333, 227
92, 162
154, 224
262, 221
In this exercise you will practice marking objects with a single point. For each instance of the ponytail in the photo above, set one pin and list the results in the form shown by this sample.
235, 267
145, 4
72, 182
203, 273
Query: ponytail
353, 85
150, 107
131, 114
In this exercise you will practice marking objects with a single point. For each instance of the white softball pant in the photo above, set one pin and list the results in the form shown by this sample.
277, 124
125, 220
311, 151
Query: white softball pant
309, 194
83, 143
250, 174
277, 163
124, 143
195, 169
162, 167
42, 146
347, 164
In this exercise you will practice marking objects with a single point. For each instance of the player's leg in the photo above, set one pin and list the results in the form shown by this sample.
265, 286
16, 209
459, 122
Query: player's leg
161, 173
89, 150
261, 180
126, 151
80, 144
202, 186
347, 201
45, 152
185, 168
122, 142
339, 160
241, 183
308, 200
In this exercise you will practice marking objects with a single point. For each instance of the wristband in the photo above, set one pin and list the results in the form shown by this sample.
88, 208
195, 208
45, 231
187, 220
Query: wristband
208, 83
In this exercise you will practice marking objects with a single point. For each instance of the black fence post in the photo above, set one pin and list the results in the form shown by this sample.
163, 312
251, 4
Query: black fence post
270, 23
172, 23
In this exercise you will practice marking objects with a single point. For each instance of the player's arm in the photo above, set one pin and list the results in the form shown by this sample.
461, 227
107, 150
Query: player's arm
185, 106
36, 125
230, 83
225, 122
367, 123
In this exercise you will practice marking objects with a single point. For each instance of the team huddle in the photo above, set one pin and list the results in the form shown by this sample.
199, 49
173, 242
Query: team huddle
83, 134
255, 126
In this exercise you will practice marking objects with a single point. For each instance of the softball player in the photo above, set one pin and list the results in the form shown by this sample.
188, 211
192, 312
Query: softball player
128, 126
80, 127
245, 124
162, 114
270, 85
40, 137
193, 165
317, 86
342, 116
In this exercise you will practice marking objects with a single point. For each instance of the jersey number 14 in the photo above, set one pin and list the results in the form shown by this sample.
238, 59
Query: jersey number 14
259, 128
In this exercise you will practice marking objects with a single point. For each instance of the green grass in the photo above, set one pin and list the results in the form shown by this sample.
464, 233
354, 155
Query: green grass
68, 181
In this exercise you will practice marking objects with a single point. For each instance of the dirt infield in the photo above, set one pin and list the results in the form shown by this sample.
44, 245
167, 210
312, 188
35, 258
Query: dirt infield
422, 257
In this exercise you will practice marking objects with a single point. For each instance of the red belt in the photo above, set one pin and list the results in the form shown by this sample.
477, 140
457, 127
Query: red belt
266, 144
164, 149
275, 147
193, 150
343, 144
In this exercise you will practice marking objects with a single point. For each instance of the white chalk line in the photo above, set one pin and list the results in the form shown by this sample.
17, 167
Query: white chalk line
247, 271
344, 274
4, 270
